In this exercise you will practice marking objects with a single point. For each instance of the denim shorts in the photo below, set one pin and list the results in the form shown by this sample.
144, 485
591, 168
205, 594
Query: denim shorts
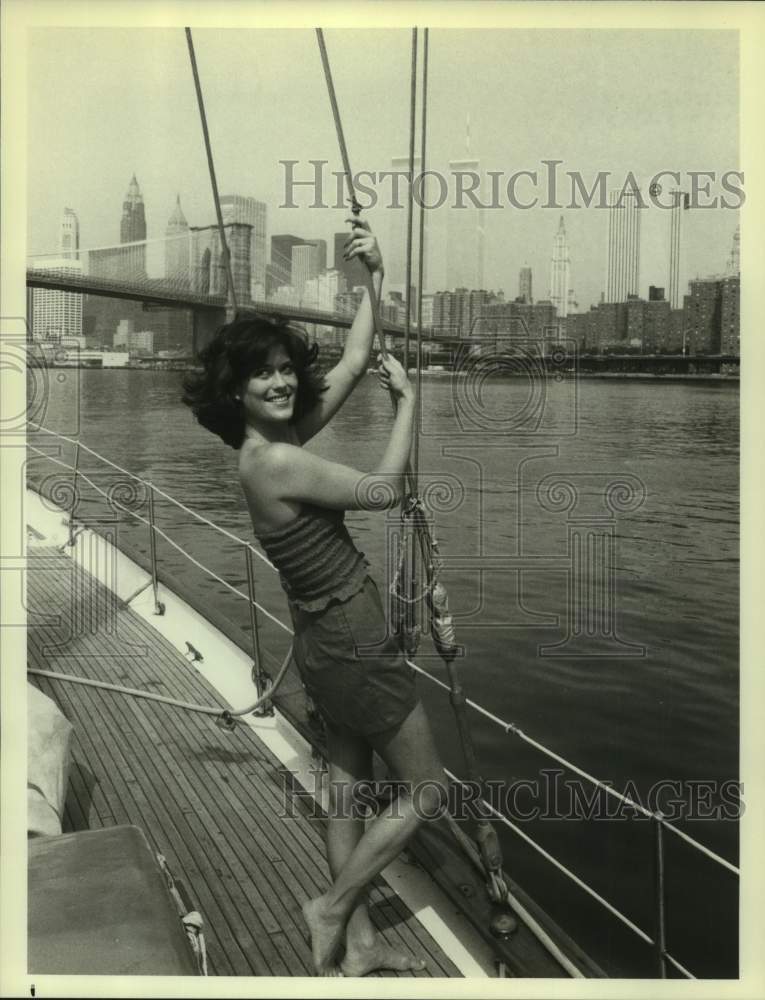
353, 670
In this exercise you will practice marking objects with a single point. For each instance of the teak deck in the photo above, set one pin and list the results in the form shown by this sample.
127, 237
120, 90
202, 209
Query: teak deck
210, 801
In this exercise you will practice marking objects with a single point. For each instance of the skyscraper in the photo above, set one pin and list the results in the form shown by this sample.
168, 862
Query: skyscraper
466, 223
251, 212
133, 230
398, 214
679, 204
306, 264
69, 237
351, 270
281, 258
623, 258
524, 286
208, 270
177, 247
559, 272
465, 236
57, 315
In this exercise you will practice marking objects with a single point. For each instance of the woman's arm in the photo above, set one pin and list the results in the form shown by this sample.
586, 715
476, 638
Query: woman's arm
298, 475
347, 373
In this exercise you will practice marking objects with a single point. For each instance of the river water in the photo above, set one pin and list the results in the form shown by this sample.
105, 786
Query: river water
519, 476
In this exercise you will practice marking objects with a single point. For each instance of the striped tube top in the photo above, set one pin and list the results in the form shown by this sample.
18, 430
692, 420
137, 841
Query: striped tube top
316, 558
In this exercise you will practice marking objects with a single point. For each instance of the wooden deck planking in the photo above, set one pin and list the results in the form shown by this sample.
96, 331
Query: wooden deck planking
171, 831
247, 884
164, 713
210, 801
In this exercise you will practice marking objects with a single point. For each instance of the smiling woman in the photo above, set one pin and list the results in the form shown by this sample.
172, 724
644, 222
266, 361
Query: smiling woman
239, 373
260, 390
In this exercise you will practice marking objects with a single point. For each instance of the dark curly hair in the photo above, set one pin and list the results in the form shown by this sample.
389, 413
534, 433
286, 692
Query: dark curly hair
237, 350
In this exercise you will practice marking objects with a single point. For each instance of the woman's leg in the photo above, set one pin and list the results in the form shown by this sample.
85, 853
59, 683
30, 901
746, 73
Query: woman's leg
411, 755
350, 762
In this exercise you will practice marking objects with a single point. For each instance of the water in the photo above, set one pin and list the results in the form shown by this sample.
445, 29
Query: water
670, 715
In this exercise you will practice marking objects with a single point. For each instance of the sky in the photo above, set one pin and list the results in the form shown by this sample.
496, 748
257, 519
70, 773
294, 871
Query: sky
104, 103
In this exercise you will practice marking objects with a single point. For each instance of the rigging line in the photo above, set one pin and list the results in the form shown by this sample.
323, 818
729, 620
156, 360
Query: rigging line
410, 200
163, 699
510, 727
355, 207
131, 475
421, 258
678, 966
534, 926
211, 167
176, 546
558, 864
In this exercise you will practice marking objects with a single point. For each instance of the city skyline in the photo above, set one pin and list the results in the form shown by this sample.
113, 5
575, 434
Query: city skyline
160, 137
621, 274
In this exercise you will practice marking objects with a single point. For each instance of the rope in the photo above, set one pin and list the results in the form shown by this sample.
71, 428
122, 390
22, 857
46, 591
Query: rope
356, 207
420, 264
410, 199
511, 727
225, 714
211, 167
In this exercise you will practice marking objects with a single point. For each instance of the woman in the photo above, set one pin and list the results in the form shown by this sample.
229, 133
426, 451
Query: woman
261, 392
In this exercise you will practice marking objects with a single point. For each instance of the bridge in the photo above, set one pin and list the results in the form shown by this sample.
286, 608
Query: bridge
193, 278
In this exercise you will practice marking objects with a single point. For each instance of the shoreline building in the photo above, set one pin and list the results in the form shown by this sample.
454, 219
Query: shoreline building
623, 258
177, 247
458, 313
237, 208
525, 293
56, 315
133, 230
559, 272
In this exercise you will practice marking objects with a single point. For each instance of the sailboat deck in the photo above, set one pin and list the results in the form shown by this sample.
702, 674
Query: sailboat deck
210, 801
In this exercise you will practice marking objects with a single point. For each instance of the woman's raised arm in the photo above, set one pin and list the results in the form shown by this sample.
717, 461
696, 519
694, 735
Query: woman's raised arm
298, 475
344, 377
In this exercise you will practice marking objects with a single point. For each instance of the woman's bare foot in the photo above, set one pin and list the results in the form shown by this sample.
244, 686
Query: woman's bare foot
363, 957
326, 934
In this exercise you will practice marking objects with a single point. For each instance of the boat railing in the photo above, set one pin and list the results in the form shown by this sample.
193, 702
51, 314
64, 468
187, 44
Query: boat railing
660, 823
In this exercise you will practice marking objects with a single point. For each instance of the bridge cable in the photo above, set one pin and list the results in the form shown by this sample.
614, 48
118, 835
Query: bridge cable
211, 167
